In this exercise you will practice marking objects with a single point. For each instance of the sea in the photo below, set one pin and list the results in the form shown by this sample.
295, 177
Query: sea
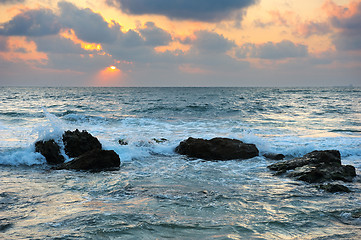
159, 194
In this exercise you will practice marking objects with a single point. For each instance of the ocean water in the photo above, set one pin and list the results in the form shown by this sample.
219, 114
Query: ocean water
158, 194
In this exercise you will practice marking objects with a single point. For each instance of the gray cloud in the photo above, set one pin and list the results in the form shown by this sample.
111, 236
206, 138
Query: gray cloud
155, 36
39, 22
349, 35
199, 10
57, 44
270, 50
11, 1
88, 25
3, 44
211, 42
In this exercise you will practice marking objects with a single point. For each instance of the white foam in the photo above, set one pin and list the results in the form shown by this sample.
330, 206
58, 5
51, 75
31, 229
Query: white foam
18, 157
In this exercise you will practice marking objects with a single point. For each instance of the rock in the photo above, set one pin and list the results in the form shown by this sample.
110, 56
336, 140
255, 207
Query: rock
122, 142
162, 140
333, 188
274, 156
217, 149
95, 160
50, 150
77, 143
316, 166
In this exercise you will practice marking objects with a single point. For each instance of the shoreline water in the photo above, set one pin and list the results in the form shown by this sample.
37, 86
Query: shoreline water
159, 194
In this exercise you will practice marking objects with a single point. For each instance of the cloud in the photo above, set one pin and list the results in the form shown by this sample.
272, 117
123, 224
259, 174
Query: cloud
38, 22
348, 26
270, 50
11, 1
211, 42
155, 36
3, 44
88, 25
199, 10
57, 44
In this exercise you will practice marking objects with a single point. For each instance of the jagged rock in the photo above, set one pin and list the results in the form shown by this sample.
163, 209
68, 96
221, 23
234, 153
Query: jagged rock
274, 156
217, 149
316, 166
162, 140
50, 150
77, 143
95, 160
333, 188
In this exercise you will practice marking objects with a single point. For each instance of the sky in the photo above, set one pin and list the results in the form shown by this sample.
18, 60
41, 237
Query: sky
245, 43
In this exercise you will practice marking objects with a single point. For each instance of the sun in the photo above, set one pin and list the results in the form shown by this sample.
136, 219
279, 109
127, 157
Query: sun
113, 67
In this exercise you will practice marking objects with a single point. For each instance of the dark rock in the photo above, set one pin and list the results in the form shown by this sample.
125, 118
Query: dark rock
274, 156
316, 166
50, 150
95, 160
122, 142
77, 143
217, 149
162, 140
333, 188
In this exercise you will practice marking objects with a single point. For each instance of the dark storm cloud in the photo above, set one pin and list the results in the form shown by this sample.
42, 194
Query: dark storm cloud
349, 35
88, 25
39, 22
270, 50
155, 36
11, 1
199, 10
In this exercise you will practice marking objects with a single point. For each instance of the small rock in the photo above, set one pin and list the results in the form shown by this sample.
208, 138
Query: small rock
274, 156
50, 150
122, 142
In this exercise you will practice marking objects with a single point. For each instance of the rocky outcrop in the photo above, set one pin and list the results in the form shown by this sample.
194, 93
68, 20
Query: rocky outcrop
50, 150
77, 143
217, 149
316, 166
86, 149
95, 160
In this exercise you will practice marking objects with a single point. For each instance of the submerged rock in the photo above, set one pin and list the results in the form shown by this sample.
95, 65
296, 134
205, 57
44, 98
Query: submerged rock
95, 160
274, 156
50, 150
333, 188
77, 143
217, 149
316, 166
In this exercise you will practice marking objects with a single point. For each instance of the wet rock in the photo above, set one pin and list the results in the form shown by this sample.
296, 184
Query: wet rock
122, 142
316, 166
162, 140
77, 143
50, 150
334, 188
217, 149
95, 160
274, 156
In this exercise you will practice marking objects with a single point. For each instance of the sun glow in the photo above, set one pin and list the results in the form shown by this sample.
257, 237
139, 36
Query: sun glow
109, 76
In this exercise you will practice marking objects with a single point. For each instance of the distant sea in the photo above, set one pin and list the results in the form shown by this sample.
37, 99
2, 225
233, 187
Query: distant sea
158, 194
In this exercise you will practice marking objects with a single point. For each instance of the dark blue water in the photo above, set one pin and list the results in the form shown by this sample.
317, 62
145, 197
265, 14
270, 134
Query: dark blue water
158, 194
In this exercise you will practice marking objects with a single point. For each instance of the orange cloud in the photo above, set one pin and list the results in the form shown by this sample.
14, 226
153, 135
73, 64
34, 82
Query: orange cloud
70, 34
334, 10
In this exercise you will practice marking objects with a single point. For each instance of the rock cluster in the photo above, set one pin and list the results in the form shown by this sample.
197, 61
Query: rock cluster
83, 147
317, 167
217, 149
